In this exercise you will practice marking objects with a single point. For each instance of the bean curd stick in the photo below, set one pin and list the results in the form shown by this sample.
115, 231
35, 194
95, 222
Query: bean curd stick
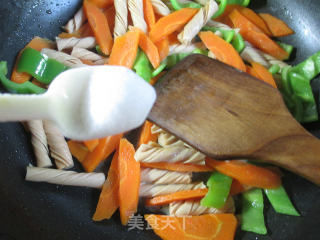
64, 58
156, 176
85, 54
59, 149
121, 19
76, 22
62, 177
67, 43
160, 8
136, 11
194, 208
39, 143
197, 22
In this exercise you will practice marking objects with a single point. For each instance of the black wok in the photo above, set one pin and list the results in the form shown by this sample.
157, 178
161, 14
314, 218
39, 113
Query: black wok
44, 211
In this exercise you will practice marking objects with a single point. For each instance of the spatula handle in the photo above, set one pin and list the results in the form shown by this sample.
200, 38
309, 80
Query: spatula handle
16, 107
299, 154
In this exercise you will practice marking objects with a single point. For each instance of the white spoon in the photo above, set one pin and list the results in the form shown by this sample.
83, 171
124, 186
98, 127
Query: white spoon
86, 103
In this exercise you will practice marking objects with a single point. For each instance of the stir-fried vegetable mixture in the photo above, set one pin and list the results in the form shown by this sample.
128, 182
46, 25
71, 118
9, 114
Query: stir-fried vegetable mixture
150, 37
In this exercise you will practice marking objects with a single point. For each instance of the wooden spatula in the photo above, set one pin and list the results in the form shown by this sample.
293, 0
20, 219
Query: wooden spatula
228, 114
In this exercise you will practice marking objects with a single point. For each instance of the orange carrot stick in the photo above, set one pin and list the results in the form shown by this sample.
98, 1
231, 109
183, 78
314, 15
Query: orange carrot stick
102, 3
146, 135
129, 183
229, 8
177, 196
223, 50
105, 147
150, 49
209, 226
246, 173
251, 71
237, 187
277, 27
110, 13
99, 25
255, 19
256, 37
163, 48
109, 197
173, 38
170, 23
148, 13
263, 74
36, 43
78, 150
178, 167
91, 144
125, 49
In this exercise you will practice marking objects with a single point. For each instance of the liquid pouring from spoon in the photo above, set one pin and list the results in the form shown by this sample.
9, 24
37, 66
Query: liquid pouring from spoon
86, 103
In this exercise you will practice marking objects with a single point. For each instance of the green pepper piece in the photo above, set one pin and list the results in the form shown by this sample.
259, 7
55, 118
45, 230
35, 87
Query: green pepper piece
280, 201
309, 68
12, 87
275, 68
99, 51
239, 2
310, 112
159, 69
201, 51
219, 188
252, 212
238, 43
222, 7
301, 87
177, 6
287, 47
142, 66
39, 66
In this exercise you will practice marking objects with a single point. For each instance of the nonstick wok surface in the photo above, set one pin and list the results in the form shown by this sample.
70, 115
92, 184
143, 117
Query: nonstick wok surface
43, 211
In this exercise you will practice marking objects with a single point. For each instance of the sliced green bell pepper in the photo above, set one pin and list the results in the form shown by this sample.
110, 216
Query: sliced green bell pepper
39, 66
222, 7
252, 218
280, 201
12, 87
275, 68
177, 6
142, 66
239, 2
218, 192
287, 47
238, 42
175, 58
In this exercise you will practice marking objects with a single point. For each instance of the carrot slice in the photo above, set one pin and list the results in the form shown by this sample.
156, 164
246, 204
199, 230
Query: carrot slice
255, 19
105, 147
229, 8
125, 49
277, 27
109, 198
256, 37
148, 13
208, 226
102, 3
99, 25
110, 14
237, 187
246, 173
91, 144
178, 167
149, 48
263, 74
173, 38
223, 50
78, 150
146, 135
36, 43
170, 23
129, 183
163, 48
177, 196
251, 71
